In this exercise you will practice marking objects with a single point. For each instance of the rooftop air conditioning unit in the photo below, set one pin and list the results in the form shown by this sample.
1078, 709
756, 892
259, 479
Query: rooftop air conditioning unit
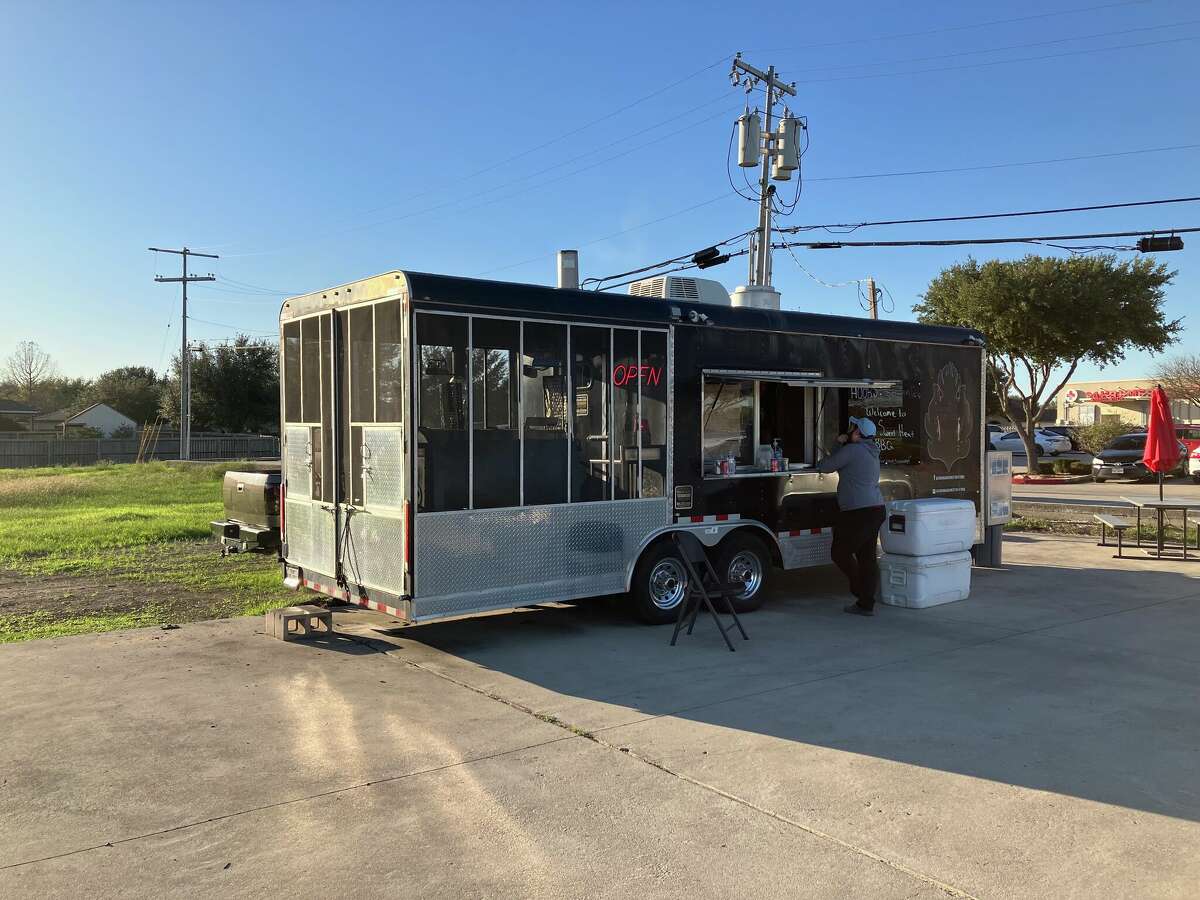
675, 287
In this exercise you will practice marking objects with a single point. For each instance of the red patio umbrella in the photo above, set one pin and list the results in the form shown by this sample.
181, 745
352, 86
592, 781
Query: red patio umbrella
1162, 447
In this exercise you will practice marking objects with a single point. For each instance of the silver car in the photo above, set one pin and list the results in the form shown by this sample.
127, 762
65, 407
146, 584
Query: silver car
1047, 442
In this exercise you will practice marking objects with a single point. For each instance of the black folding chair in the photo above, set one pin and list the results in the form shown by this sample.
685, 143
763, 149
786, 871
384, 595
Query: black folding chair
703, 586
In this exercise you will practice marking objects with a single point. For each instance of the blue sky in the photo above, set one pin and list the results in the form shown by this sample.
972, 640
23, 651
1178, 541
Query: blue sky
310, 145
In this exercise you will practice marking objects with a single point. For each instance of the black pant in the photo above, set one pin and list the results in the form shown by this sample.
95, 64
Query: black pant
854, 540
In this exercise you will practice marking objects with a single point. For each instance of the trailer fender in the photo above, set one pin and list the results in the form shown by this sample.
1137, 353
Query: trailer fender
710, 534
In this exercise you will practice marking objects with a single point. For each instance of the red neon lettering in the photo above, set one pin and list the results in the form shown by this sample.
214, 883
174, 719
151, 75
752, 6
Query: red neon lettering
627, 374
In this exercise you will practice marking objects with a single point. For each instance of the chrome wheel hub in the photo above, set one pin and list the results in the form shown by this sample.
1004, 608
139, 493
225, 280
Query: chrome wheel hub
746, 569
668, 583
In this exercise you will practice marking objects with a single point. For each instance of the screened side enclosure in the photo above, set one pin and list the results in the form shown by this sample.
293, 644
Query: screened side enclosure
523, 413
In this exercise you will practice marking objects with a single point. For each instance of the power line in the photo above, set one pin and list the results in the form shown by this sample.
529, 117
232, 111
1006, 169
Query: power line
540, 185
1011, 165
1025, 46
609, 237
230, 327
665, 262
1005, 215
542, 146
949, 28
999, 62
835, 245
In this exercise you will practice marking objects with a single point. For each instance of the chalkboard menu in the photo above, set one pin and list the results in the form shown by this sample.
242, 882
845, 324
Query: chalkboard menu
896, 412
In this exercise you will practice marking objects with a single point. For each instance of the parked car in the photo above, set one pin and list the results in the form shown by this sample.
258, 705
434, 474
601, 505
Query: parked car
1189, 435
1070, 432
1048, 443
1122, 458
1193, 464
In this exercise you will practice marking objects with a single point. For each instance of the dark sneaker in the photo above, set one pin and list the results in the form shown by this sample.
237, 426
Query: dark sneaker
855, 609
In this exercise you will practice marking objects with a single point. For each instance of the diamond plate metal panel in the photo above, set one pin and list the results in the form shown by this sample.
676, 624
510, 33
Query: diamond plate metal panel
297, 462
309, 536
373, 553
322, 540
805, 550
298, 522
383, 467
501, 558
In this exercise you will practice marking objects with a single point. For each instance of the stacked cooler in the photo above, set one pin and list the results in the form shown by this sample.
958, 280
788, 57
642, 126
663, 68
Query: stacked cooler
926, 552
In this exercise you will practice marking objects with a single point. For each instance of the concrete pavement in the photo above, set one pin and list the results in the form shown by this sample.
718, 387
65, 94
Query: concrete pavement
1038, 739
1108, 493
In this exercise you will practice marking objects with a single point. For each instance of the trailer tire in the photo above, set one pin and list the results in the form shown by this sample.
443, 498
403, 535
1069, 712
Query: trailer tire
743, 557
659, 584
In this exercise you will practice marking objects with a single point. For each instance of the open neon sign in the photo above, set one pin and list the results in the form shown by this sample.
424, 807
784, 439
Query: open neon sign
623, 374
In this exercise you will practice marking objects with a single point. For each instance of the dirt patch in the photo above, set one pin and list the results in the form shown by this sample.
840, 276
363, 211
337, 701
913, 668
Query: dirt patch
148, 583
71, 596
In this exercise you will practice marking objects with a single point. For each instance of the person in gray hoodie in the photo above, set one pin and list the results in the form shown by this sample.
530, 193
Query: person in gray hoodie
860, 511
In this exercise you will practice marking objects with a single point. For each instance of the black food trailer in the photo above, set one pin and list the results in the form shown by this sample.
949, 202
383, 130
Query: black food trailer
453, 445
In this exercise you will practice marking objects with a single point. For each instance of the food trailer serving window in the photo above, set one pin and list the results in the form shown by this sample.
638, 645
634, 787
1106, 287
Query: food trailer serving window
770, 423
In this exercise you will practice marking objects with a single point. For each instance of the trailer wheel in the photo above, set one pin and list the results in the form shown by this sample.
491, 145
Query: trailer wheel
741, 557
659, 584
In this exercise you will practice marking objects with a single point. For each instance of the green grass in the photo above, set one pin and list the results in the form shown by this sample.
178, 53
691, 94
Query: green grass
67, 519
45, 625
139, 524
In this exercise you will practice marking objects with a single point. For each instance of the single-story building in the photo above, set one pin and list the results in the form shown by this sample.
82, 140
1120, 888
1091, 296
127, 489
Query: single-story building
51, 421
15, 416
100, 417
1125, 400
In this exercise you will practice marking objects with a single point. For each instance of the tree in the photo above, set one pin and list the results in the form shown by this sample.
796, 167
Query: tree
1043, 316
27, 367
1180, 377
1094, 438
132, 390
235, 387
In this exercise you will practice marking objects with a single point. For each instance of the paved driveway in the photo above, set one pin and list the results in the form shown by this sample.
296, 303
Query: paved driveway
1040, 739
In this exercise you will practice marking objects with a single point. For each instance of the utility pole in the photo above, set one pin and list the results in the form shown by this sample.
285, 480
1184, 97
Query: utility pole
780, 151
185, 356
872, 299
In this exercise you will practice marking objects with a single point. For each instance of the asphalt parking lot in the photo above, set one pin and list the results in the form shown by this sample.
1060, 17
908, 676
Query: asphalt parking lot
1039, 739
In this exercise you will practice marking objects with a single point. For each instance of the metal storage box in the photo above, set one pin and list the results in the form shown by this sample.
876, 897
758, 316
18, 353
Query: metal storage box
920, 581
928, 526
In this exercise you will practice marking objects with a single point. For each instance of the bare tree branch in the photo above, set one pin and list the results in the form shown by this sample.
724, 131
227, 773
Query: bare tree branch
28, 367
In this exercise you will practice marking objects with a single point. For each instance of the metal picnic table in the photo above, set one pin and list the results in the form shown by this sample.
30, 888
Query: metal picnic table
1160, 507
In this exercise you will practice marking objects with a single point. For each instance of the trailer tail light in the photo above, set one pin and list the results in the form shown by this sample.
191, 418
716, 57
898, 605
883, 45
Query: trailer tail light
282, 510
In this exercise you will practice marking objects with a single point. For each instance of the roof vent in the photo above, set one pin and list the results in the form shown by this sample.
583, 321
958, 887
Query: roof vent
674, 287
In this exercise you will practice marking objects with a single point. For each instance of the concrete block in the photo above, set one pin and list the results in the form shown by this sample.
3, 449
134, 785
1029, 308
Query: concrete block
291, 623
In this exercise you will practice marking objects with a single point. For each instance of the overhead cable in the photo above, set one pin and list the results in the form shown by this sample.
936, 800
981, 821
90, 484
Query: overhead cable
1010, 165
956, 242
851, 226
965, 27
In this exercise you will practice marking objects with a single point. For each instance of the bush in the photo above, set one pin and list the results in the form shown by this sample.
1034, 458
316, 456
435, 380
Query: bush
1093, 438
1063, 466
1046, 468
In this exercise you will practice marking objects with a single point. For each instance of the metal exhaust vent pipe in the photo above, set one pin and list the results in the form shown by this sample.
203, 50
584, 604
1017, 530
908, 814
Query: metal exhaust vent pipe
568, 269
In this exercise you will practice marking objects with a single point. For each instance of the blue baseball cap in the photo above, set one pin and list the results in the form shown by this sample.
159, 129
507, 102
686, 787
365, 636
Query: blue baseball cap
864, 425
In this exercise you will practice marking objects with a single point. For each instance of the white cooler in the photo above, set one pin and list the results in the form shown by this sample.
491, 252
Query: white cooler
928, 526
920, 581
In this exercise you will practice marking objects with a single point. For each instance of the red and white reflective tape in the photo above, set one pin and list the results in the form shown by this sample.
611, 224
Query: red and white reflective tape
707, 520
323, 589
377, 606
346, 596
804, 532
